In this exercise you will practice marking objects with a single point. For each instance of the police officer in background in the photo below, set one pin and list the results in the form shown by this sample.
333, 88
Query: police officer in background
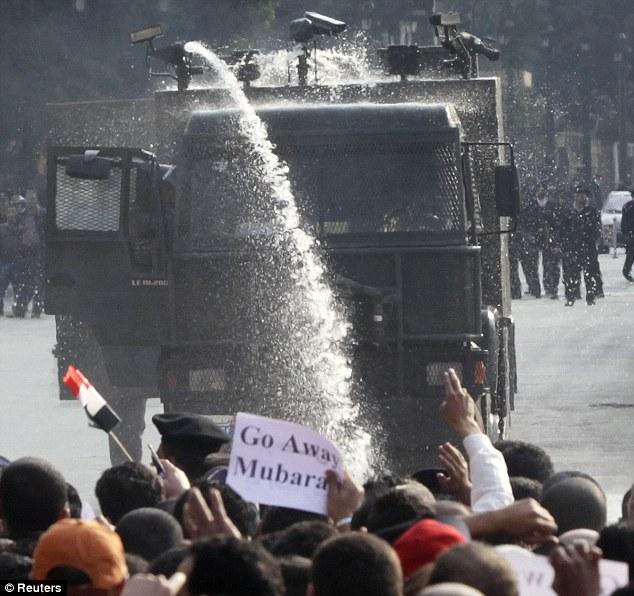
627, 229
538, 238
581, 228
529, 253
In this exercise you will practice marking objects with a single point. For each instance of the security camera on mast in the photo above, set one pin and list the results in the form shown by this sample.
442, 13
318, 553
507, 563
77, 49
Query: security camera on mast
174, 55
305, 30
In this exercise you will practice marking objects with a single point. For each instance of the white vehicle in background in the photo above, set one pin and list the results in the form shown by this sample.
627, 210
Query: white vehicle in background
611, 219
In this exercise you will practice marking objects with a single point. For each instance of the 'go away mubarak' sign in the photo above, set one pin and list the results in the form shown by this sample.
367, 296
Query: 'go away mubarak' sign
274, 462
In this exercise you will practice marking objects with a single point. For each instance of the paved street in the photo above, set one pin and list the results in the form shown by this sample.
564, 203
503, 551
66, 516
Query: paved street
576, 394
575, 377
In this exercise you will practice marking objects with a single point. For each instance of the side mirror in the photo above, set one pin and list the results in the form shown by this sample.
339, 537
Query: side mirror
88, 166
507, 191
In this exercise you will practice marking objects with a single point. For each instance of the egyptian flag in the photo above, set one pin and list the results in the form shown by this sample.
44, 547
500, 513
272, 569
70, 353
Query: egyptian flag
97, 409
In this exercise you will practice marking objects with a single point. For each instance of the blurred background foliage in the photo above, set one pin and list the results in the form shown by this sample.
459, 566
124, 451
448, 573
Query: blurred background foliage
561, 61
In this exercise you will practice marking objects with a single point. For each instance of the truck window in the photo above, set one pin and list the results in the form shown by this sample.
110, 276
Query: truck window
375, 187
378, 188
87, 205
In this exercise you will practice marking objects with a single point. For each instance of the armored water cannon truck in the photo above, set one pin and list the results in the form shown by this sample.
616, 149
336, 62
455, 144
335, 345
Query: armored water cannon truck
407, 184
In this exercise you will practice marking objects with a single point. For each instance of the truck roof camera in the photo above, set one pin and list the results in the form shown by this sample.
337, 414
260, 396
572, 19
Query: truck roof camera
312, 24
147, 34
324, 25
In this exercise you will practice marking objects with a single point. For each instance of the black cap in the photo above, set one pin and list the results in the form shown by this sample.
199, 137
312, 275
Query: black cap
194, 428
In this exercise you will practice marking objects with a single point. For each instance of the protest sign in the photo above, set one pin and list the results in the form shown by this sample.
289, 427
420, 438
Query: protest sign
275, 462
535, 574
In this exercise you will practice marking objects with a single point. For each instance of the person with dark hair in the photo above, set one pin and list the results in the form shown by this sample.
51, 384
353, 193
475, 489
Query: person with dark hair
407, 503
355, 564
149, 532
373, 489
302, 539
33, 240
168, 562
627, 229
242, 513
276, 519
296, 574
576, 503
565, 475
136, 564
232, 567
525, 488
488, 480
187, 439
477, 565
9, 252
74, 501
581, 229
617, 543
126, 487
33, 496
526, 459
537, 217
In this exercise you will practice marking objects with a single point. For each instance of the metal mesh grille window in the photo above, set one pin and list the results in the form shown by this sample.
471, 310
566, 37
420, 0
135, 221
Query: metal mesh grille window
87, 205
379, 188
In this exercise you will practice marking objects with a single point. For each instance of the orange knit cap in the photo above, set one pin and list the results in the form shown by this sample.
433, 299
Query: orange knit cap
85, 545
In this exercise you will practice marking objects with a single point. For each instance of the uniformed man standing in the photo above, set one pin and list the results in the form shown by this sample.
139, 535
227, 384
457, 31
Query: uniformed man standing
529, 255
538, 239
187, 439
627, 229
581, 228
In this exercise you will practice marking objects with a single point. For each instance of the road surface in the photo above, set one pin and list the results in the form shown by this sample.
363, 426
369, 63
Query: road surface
575, 391
576, 381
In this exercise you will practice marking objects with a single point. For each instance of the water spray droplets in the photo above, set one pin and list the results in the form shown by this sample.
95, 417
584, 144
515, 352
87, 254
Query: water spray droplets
308, 379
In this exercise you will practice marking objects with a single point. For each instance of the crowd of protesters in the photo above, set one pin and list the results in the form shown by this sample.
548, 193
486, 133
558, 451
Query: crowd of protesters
187, 532
563, 226
22, 246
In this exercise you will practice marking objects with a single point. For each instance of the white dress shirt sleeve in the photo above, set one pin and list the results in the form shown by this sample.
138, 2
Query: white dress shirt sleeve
490, 484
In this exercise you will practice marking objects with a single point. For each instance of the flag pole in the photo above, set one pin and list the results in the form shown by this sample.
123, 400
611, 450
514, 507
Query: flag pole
120, 445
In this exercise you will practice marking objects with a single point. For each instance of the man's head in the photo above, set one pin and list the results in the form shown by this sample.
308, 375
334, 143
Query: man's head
617, 544
423, 543
296, 573
477, 565
149, 532
232, 567
526, 459
276, 519
525, 488
576, 502
84, 552
126, 487
302, 539
33, 496
581, 198
187, 439
356, 564
400, 505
